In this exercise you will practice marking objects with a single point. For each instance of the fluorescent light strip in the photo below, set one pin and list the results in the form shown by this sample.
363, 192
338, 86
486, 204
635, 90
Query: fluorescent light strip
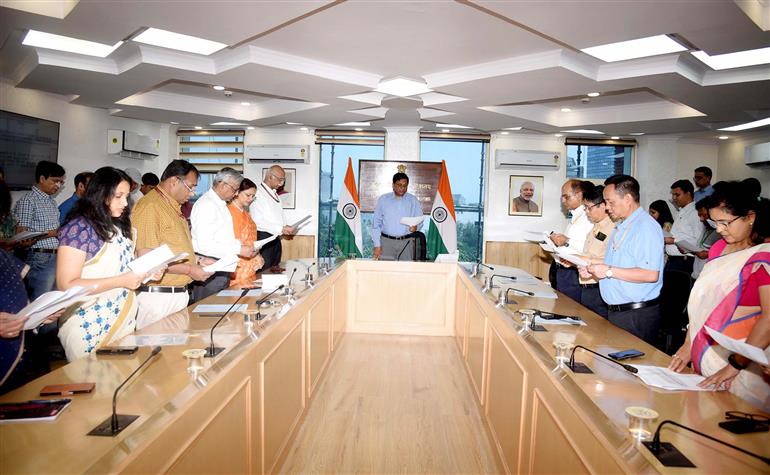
402, 87
178, 41
228, 123
748, 125
512, 128
40, 39
639, 48
739, 59
453, 126
354, 124
583, 131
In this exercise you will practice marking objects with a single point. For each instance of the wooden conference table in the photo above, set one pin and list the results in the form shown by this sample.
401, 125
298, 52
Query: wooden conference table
241, 412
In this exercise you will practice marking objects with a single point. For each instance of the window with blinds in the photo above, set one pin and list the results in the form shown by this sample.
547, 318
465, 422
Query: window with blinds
212, 150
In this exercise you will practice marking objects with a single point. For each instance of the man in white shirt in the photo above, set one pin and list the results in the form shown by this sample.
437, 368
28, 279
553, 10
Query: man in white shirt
267, 213
212, 231
574, 237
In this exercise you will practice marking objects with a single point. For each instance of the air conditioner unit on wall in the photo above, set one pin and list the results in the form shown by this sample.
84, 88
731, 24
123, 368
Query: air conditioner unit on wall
278, 153
539, 159
757, 155
131, 145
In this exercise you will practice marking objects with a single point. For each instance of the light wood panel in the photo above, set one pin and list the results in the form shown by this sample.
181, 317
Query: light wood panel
319, 324
461, 322
402, 298
477, 331
393, 404
547, 434
299, 247
340, 312
527, 256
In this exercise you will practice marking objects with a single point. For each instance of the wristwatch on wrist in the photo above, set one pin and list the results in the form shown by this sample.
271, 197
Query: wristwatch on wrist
735, 363
608, 274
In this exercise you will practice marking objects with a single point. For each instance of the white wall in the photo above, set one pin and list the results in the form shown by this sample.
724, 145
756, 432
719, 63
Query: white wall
307, 186
402, 144
83, 133
731, 165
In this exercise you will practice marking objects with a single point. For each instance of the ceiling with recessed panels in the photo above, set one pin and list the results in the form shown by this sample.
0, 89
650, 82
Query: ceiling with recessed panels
490, 65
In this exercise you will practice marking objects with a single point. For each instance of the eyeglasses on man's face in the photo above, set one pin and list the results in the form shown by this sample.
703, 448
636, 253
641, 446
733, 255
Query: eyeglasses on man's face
235, 190
191, 189
281, 179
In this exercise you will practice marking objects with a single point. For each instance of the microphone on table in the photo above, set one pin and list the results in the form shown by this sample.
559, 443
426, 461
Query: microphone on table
288, 290
213, 350
115, 424
670, 456
475, 268
308, 275
582, 368
264, 299
398, 256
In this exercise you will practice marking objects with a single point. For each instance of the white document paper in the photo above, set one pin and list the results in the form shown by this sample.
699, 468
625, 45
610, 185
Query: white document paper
154, 260
261, 243
741, 347
561, 321
273, 281
412, 220
454, 257
573, 259
301, 222
223, 264
237, 293
161, 339
674, 251
52, 302
535, 236
27, 235
688, 246
664, 378
220, 308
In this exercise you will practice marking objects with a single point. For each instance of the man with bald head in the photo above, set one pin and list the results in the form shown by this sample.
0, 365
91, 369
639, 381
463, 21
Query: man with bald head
523, 203
267, 213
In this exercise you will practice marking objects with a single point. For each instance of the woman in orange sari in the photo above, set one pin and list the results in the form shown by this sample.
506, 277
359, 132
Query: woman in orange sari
246, 230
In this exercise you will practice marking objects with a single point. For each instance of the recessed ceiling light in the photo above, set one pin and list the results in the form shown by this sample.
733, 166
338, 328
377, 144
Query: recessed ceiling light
219, 88
353, 124
593, 94
174, 123
228, 123
198, 127
748, 125
402, 87
566, 109
445, 130
294, 123
303, 128
513, 128
723, 137
178, 41
358, 129
638, 48
251, 127
71, 45
453, 126
245, 103
738, 59
615, 137
558, 135
636, 133
504, 133
583, 131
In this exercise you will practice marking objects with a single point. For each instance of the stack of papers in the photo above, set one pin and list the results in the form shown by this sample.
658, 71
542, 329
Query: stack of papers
301, 223
220, 308
751, 352
664, 378
412, 220
27, 235
273, 281
225, 264
151, 262
237, 293
561, 321
52, 302
261, 243
160, 339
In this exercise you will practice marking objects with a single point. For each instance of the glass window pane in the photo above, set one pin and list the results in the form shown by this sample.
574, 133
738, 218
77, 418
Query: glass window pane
598, 161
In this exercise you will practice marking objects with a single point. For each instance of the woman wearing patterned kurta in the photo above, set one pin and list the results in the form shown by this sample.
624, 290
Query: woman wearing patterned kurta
246, 231
95, 250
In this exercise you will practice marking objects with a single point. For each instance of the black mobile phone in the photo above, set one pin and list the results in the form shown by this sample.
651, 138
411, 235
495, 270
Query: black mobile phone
556, 316
744, 426
625, 354
117, 350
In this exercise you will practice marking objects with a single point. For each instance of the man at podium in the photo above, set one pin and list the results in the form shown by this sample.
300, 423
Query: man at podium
393, 240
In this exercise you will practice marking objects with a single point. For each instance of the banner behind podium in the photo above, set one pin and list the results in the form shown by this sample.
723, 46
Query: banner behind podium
375, 178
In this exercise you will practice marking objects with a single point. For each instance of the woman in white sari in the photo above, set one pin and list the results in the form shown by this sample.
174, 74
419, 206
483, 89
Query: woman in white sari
732, 296
94, 250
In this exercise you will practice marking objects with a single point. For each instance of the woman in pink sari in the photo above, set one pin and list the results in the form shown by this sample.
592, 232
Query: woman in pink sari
732, 296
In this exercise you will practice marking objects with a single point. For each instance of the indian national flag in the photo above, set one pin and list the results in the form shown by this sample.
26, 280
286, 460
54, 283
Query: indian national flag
347, 226
442, 235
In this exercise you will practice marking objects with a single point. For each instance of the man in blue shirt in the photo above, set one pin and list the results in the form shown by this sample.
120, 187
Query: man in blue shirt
702, 178
81, 182
388, 234
632, 274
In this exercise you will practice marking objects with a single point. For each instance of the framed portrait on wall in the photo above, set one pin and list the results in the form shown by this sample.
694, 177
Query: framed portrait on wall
288, 192
525, 195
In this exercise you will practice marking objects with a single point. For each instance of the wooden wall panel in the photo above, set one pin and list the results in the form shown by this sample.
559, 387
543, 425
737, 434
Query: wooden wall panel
547, 434
461, 319
209, 451
339, 309
319, 340
524, 255
299, 247
283, 389
506, 402
477, 328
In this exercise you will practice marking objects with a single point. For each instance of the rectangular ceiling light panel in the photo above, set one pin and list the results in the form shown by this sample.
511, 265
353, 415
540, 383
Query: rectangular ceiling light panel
639, 48
402, 87
178, 41
739, 59
748, 125
41, 39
